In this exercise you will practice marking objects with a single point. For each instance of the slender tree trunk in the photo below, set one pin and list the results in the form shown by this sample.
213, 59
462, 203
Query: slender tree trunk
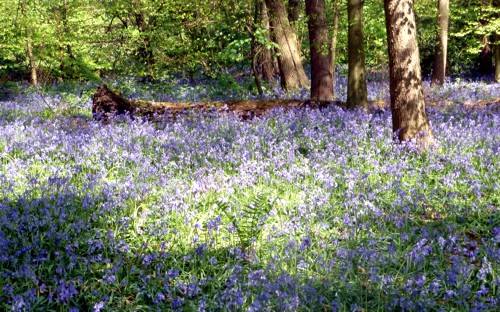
356, 86
439, 72
250, 24
409, 118
292, 72
266, 57
336, 13
485, 57
31, 58
496, 48
320, 51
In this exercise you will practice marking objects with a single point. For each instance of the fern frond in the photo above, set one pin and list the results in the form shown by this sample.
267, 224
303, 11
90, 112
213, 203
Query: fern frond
249, 221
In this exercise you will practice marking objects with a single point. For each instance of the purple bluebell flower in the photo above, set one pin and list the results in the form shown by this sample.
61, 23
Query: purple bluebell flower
98, 306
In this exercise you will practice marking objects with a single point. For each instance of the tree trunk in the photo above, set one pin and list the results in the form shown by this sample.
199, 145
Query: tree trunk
356, 86
250, 24
292, 72
145, 51
31, 58
336, 13
485, 57
439, 72
320, 51
409, 118
266, 57
496, 48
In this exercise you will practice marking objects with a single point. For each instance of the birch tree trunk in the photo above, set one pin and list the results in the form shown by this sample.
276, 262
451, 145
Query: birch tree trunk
409, 118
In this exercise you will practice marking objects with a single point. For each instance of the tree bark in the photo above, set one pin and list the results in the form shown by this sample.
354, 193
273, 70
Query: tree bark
356, 86
320, 51
485, 57
409, 118
250, 24
31, 58
496, 48
292, 72
336, 13
266, 57
440, 53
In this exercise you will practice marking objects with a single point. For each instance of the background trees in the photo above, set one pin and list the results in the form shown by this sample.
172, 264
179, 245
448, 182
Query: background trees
84, 39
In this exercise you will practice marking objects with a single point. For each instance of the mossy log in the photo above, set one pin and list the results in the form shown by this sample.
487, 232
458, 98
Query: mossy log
107, 103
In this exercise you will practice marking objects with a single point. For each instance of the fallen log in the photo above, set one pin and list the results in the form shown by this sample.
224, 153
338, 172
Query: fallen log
107, 103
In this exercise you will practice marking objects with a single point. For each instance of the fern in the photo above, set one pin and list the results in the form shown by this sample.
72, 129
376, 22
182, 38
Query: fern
250, 222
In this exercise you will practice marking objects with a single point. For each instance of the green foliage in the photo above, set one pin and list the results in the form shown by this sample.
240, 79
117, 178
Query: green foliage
88, 39
249, 219
234, 52
375, 33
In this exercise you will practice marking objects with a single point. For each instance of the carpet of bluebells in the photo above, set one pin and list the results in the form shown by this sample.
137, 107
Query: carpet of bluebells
302, 210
